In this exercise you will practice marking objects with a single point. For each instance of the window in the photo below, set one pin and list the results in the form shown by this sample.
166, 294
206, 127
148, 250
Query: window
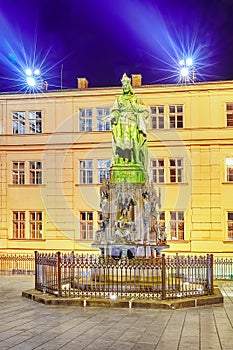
157, 170
35, 173
161, 219
86, 171
18, 173
177, 225
103, 169
167, 116
176, 116
27, 122
19, 122
230, 225
157, 117
229, 114
229, 169
35, 223
100, 220
85, 119
103, 124
176, 170
27, 173
35, 122
27, 225
18, 224
86, 225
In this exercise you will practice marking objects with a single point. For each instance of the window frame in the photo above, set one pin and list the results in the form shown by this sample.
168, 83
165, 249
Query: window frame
37, 122
229, 169
175, 115
18, 123
102, 122
86, 225
157, 117
35, 174
176, 223
229, 114
18, 224
103, 170
35, 222
157, 171
86, 173
18, 173
85, 119
176, 171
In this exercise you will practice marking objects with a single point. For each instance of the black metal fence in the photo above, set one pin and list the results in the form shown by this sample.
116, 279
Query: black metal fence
71, 275
223, 268
17, 263
25, 264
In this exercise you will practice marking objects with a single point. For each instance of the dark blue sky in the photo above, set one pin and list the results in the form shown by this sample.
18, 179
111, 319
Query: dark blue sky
102, 39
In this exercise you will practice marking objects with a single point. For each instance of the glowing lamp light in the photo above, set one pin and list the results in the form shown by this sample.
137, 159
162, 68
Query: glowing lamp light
34, 81
113, 296
184, 72
28, 72
32, 77
31, 81
189, 62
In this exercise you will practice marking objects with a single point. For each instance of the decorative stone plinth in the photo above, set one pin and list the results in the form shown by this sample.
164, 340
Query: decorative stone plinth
131, 173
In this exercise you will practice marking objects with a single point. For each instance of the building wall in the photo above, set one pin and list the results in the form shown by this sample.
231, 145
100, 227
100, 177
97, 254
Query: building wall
204, 142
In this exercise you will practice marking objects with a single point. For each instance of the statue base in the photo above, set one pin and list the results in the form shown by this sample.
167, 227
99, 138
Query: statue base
131, 250
131, 173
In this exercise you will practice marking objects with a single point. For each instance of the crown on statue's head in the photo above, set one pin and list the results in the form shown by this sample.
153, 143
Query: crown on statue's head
125, 79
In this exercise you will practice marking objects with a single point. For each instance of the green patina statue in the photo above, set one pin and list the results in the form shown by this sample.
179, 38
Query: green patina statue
128, 202
129, 120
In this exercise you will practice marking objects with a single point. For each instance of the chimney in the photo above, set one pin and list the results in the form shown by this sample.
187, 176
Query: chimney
82, 83
136, 80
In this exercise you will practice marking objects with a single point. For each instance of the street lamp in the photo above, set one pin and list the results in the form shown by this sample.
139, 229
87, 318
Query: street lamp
34, 80
186, 71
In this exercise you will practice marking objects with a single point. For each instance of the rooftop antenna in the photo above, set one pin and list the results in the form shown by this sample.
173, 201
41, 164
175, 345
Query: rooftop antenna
61, 74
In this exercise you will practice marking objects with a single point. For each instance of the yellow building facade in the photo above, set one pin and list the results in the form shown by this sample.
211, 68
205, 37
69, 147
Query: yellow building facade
55, 147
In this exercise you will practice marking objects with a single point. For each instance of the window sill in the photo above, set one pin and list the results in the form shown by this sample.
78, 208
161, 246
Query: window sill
94, 184
227, 183
178, 241
28, 239
85, 240
228, 241
26, 185
170, 183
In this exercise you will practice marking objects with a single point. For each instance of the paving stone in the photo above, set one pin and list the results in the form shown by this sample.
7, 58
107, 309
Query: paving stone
27, 325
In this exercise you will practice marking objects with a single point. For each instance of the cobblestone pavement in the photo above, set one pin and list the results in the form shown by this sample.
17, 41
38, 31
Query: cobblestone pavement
27, 325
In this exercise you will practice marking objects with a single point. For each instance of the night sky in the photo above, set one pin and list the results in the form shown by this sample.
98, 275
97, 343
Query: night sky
102, 39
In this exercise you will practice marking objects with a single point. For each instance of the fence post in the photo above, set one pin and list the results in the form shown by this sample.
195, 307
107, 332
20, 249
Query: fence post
72, 266
163, 275
36, 272
210, 273
59, 274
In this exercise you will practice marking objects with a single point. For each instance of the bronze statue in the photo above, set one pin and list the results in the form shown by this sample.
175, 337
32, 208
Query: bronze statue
129, 120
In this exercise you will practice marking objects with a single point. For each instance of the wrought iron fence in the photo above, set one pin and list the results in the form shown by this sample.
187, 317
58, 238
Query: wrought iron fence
223, 268
71, 275
25, 264
17, 263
